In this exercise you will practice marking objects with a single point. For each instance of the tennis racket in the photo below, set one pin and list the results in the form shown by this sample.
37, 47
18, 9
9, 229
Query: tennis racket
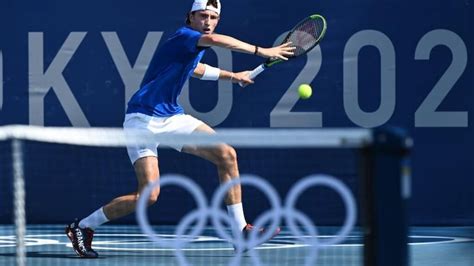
304, 36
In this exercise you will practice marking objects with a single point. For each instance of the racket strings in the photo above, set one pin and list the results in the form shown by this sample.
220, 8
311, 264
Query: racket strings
306, 35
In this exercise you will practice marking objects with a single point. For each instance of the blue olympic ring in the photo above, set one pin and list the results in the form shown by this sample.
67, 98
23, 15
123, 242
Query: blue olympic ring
274, 216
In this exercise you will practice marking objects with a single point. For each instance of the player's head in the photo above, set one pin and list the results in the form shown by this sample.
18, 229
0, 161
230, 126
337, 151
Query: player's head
204, 15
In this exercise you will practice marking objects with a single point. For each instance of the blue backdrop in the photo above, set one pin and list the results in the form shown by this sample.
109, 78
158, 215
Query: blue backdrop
402, 63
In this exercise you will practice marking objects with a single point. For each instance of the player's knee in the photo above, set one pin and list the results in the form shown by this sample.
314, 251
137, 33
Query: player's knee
226, 155
153, 198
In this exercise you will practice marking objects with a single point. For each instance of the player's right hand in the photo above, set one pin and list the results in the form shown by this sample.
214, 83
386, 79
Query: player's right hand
281, 52
243, 78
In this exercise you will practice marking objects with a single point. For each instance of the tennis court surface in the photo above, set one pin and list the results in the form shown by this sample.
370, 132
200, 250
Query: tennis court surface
127, 245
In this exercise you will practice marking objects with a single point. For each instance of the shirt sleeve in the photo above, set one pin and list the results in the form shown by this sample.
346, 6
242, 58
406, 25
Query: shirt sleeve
190, 39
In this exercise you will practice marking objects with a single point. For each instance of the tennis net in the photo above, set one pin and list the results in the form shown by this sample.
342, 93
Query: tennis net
328, 189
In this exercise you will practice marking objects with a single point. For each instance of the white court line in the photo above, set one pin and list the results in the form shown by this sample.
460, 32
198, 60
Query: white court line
9, 241
453, 239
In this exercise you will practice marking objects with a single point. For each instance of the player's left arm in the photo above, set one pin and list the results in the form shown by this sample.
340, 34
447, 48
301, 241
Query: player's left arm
234, 77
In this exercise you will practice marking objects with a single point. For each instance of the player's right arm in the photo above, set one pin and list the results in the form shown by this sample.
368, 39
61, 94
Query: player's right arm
224, 41
234, 77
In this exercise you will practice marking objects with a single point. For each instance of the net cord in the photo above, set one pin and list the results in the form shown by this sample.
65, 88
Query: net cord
267, 138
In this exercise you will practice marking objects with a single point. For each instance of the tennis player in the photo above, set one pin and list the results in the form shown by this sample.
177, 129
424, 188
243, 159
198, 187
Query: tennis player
154, 108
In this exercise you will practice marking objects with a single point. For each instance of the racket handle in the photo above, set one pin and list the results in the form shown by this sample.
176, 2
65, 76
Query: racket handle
255, 73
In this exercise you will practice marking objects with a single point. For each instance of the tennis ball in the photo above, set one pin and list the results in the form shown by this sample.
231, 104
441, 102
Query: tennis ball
305, 91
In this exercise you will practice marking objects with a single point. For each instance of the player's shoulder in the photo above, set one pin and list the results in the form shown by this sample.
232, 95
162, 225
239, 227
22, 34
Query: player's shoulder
184, 37
185, 30
185, 33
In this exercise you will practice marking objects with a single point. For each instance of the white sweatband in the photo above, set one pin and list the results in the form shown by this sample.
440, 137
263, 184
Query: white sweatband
211, 73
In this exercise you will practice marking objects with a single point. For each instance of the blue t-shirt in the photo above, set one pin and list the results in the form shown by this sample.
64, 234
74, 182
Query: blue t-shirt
170, 68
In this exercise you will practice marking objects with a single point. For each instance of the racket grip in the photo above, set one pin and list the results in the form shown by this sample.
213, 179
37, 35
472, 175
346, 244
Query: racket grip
255, 73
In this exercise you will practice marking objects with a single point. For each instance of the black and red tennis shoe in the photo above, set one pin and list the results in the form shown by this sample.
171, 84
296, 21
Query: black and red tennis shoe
81, 239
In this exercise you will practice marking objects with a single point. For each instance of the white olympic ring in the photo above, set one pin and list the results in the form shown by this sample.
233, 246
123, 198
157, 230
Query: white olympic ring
274, 216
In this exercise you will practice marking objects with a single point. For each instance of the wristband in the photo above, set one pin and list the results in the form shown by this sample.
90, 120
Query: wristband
256, 50
211, 73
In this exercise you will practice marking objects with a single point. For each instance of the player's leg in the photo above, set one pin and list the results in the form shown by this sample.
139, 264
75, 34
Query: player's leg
225, 159
144, 158
147, 171
81, 233
145, 161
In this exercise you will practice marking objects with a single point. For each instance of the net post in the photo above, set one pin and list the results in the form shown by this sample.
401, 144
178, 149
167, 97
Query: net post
386, 192
19, 201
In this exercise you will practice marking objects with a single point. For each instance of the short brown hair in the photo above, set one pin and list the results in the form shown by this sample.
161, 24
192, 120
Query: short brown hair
212, 3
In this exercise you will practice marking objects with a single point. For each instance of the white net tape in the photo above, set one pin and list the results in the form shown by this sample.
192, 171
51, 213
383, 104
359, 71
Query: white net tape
115, 137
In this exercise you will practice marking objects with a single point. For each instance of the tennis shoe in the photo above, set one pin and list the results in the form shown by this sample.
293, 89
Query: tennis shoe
248, 229
81, 240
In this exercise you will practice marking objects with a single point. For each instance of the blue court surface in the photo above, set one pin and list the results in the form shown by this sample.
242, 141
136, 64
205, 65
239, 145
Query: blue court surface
127, 245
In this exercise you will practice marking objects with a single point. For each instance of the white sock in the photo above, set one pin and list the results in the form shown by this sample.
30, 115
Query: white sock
94, 220
236, 212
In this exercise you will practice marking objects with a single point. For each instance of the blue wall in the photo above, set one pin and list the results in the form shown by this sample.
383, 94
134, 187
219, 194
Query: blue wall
403, 63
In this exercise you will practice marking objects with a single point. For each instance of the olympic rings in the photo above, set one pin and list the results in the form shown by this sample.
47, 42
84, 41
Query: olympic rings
272, 196
186, 183
274, 216
339, 187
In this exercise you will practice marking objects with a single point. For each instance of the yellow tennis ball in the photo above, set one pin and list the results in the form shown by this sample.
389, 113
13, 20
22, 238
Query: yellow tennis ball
305, 91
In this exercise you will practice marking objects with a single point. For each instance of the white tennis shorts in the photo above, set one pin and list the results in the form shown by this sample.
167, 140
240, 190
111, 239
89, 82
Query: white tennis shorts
177, 124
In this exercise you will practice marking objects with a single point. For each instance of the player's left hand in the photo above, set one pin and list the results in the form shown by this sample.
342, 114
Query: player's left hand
242, 78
